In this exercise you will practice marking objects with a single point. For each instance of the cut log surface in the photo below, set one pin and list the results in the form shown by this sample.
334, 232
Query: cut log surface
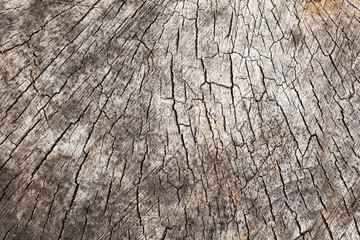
180, 119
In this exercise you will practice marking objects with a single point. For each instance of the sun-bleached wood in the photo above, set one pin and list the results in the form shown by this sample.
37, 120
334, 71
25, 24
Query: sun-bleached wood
207, 119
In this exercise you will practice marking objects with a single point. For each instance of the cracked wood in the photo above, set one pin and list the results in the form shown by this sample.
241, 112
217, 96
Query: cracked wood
186, 119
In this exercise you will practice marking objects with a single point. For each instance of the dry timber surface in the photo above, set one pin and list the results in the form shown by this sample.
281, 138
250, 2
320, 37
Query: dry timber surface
179, 119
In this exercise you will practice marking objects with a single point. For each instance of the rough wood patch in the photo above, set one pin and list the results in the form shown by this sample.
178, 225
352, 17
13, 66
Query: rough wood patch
186, 119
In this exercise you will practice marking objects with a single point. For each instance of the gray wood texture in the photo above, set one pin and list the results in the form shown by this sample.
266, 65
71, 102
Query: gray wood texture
163, 119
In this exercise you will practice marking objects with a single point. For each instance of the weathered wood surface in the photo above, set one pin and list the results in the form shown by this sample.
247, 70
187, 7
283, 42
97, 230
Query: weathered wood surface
180, 119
